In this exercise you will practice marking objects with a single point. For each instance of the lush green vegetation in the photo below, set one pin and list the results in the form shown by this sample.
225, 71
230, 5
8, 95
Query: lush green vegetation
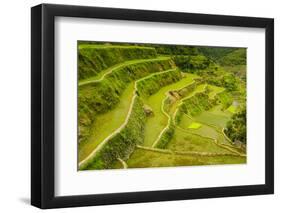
237, 57
99, 97
145, 158
196, 104
123, 143
192, 63
95, 58
236, 127
194, 125
225, 56
152, 105
158, 120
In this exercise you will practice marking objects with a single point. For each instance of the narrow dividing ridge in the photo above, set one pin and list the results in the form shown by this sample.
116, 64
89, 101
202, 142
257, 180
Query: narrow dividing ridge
124, 164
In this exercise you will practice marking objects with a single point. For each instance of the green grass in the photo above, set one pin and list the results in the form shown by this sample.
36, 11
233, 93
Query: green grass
214, 90
238, 70
95, 58
232, 109
112, 75
194, 125
199, 88
158, 121
214, 116
106, 123
122, 141
186, 141
145, 159
102, 96
205, 130
104, 72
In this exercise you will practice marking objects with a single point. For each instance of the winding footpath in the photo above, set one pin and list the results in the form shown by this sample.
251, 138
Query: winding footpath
124, 164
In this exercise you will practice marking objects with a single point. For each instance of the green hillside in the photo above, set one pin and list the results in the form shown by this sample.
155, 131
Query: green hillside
152, 105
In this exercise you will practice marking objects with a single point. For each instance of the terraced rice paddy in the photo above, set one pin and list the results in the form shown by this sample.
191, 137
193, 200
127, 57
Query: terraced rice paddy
194, 125
156, 123
157, 159
139, 109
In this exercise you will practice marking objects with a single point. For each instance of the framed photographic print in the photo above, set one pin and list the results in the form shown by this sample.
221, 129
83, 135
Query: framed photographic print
139, 106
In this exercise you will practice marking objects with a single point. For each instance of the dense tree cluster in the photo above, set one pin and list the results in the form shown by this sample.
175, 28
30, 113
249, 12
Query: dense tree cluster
175, 50
192, 63
237, 57
236, 127
215, 53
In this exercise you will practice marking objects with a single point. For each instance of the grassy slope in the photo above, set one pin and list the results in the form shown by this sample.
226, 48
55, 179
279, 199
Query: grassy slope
204, 130
238, 70
121, 143
105, 72
158, 121
185, 139
194, 125
232, 109
189, 141
139, 159
214, 90
106, 123
95, 58
214, 117
100, 97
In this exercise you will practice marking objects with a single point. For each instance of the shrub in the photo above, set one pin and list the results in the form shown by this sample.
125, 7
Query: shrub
151, 85
225, 99
236, 128
166, 137
197, 103
192, 63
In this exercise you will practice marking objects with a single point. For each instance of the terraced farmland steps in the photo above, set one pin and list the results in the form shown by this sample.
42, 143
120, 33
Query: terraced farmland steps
101, 76
99, 94
201, 88
131, 100
171, 118
229, 150
116, 131
157, 123
93, 59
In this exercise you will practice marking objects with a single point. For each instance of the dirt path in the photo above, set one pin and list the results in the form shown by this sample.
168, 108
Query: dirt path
124, 164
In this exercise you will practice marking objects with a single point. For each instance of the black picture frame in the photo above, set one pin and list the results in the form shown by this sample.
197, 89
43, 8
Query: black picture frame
43, 102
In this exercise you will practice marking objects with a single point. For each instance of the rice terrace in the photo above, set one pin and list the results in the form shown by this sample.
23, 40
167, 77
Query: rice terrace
156, 105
